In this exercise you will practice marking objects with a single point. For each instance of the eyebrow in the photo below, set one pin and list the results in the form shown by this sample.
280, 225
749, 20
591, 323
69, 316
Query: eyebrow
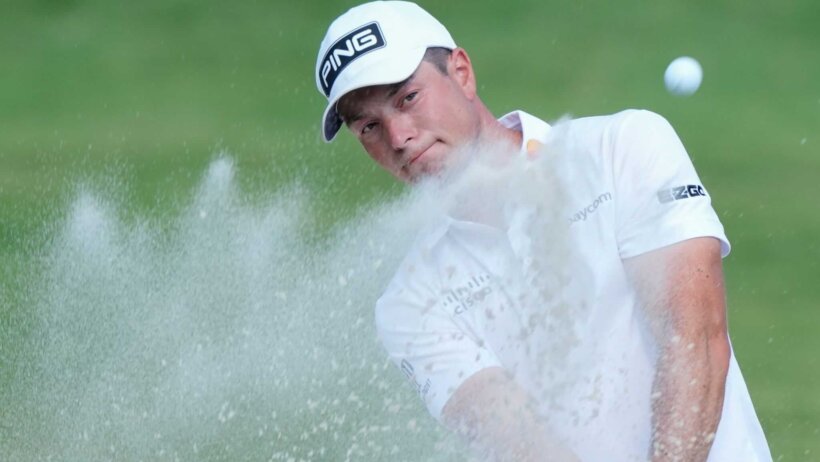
351, 119
394, 88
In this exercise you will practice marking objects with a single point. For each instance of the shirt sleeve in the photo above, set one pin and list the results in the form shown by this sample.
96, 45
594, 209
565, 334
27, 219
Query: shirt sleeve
434, 354
659, 198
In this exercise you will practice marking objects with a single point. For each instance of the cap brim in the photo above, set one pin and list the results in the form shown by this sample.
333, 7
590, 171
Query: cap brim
382, 72
333, 123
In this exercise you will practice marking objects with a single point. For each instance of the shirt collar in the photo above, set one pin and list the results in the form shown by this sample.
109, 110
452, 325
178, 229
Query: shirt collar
534, 130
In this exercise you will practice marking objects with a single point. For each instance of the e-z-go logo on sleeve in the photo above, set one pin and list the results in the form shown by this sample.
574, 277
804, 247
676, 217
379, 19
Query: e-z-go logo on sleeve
680, 192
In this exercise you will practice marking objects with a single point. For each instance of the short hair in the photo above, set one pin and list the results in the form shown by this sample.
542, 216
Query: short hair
437, 56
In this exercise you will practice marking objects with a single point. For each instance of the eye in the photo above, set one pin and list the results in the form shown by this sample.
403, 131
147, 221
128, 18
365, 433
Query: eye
367, 127
410, 96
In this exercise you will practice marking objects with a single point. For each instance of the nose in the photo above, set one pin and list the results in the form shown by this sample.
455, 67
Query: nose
400, 131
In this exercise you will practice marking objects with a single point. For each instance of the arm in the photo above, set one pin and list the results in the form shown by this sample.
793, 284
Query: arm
682, 292
494, 414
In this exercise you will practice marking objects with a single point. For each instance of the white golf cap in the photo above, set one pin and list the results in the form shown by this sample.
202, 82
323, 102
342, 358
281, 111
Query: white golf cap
376, 43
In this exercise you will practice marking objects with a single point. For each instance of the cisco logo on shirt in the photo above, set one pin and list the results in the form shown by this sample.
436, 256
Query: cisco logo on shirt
462, 298
680, 192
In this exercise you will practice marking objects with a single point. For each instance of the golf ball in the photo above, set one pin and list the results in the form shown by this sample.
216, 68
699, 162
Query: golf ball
683, 76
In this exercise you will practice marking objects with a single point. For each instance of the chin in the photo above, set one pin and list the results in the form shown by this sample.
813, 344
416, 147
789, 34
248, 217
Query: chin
437, 161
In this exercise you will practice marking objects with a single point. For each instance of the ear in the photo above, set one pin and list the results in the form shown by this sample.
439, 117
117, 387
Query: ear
461, 69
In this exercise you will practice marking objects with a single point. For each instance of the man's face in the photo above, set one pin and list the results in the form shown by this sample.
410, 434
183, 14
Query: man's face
412, 129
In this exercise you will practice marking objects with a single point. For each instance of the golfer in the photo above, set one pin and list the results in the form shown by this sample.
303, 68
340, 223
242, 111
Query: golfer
645, 371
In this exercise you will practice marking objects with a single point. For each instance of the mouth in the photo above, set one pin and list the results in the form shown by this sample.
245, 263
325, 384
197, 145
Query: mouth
419, 155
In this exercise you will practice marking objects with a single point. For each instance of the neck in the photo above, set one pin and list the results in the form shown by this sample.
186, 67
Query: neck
493, 130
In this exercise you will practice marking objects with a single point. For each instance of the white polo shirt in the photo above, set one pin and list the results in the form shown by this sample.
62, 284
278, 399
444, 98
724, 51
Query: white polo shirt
557, 312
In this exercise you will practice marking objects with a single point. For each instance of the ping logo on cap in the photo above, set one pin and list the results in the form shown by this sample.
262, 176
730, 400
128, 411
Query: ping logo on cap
346, 50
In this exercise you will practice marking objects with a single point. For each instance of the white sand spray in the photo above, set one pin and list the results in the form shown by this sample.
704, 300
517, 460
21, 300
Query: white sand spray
230, 332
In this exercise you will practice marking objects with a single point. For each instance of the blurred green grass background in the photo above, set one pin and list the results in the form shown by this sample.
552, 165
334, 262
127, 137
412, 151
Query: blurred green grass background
150, 91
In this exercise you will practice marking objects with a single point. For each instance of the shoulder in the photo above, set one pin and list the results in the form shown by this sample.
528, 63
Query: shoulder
628, 134
614, 124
